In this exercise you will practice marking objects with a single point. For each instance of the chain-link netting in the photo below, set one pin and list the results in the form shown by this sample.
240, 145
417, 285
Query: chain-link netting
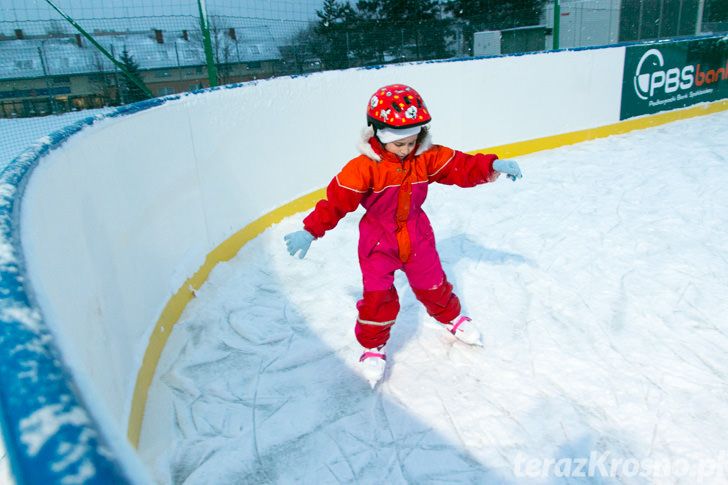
105, 54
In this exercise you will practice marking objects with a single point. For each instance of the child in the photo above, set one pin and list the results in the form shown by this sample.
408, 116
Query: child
390, 179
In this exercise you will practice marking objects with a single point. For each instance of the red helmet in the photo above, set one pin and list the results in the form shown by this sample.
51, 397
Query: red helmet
397, 106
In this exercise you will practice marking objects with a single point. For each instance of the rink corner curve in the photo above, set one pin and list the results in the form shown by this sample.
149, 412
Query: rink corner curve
54, 428
49, 433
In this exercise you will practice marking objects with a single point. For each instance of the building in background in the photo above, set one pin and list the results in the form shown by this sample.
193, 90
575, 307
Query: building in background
47, 67
582, 23
60, 72
585, 23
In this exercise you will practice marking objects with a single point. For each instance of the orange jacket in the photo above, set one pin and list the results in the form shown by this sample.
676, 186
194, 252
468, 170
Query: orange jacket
392, 191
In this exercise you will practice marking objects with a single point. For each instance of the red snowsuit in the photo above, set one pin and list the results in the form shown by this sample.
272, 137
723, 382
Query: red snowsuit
395, 233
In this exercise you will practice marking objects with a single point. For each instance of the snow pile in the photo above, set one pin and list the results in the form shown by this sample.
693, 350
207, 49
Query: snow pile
599, 282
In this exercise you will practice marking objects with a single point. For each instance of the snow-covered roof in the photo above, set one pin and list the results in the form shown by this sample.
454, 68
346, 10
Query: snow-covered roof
60, 56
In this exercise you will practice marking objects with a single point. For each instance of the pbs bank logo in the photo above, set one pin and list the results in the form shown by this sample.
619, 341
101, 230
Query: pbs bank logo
653, 78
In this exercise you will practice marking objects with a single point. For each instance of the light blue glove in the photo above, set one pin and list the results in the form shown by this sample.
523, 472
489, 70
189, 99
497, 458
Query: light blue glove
508, 167
298, 241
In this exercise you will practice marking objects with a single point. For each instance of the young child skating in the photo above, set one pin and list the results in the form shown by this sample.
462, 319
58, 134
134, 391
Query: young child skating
390, 179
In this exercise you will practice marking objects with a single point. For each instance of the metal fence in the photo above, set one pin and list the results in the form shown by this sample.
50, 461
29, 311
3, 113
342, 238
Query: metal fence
119, 54
61, 69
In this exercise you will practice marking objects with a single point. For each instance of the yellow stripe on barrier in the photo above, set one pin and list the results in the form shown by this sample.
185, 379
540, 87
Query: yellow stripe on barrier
230, 247
176, 305
555, 141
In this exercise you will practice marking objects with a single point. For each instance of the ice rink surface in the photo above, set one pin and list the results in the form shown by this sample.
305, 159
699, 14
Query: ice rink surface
599, 282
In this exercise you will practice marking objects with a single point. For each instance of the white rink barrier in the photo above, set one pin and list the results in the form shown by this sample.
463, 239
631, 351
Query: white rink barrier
110, 225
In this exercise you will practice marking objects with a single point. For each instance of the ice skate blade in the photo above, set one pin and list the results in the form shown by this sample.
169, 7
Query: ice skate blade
374, 380
477, 343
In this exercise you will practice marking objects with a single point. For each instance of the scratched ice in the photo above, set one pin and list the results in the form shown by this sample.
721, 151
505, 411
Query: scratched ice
599, 282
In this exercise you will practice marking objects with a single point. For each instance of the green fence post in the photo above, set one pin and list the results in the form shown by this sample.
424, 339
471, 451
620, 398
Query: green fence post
557, 22
118, 64
205, 26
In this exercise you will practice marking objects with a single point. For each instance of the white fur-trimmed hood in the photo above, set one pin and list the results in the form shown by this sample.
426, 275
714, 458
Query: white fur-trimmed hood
366, 149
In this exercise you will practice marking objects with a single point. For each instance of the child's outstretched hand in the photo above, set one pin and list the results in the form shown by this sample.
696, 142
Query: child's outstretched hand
298, 241
508, 167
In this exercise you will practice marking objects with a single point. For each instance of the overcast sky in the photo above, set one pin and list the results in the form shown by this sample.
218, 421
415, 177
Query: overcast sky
30, 10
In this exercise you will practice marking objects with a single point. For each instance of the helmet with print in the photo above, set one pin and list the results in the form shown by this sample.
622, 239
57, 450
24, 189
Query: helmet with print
397, 106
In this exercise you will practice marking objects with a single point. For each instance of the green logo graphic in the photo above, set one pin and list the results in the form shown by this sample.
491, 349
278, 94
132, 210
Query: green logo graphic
664, 76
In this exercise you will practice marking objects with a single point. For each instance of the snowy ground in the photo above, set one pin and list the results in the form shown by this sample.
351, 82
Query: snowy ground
599, 282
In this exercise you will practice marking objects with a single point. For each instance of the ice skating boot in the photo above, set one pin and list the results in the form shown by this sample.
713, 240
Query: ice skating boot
373, 361
464, 330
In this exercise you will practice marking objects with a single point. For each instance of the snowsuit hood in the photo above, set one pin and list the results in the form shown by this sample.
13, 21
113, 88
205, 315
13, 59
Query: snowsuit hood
369, 146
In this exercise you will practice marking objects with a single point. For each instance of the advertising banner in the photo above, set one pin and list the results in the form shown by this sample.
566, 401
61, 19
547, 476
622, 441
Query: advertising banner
664, 76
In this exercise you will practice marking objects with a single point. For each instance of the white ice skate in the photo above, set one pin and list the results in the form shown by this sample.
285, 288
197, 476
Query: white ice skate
373, 362
464, 330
